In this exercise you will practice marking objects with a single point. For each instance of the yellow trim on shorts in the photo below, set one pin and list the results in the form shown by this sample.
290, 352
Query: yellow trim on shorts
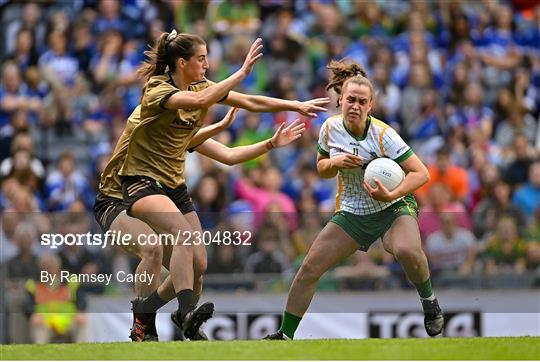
411, 210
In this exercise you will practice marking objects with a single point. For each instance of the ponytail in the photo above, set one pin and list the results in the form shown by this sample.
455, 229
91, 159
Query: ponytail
343, 73
155, 64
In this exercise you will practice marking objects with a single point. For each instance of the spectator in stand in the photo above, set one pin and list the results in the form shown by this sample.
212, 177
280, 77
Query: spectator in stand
288, 58
269, 191
60, 69
498, 51
473, 113
387, 103
519, 122
236, 17
525, 92
30, 18
268, 258
23, 165
24, 265
110, 18
505, 249
452, 248
532, 237
419, 82
57, 310
303, 183
429, 126
490, 209
488, 175
57, 65
105, 63
66, 184
439, 203
256, 81
18, 123
527, 197
517, 171
25, 53
368, 20
16, 96
17, 271
252, 132
445, 172
83, 45
209, 198
225, 260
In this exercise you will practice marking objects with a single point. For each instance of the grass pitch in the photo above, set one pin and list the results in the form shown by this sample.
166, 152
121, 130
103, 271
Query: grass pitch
521, 348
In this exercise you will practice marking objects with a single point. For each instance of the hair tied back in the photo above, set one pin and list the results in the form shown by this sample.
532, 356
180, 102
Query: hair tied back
172, 35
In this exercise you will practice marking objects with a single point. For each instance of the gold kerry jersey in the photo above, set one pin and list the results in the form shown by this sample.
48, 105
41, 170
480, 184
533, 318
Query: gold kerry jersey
157, 146
111, 183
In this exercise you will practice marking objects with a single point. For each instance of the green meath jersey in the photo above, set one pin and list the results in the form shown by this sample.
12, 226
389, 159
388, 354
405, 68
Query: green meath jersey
378, 140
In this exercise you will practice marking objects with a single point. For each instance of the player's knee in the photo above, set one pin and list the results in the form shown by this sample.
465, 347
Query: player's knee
200, 267
310, 272
152, 254
408, 254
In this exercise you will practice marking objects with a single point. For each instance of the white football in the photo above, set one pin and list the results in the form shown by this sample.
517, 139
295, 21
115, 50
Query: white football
388, 172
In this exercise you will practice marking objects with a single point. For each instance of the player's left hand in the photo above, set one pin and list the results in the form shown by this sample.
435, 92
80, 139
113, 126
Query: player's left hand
311, 107
285, 135
229, 118
379, 193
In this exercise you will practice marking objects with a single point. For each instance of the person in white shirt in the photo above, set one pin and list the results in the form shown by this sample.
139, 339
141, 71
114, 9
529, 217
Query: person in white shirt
347, 143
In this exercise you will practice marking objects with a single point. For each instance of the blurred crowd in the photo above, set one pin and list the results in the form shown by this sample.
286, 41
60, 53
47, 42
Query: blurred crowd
459, 80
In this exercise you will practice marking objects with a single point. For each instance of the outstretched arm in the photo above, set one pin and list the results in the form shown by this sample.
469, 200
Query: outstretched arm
233, 155
210, 131
254, 103
216, 92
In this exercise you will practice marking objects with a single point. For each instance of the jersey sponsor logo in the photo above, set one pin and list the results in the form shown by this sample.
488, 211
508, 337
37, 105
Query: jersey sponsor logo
242, 326
411, 324
339, 149
180, 123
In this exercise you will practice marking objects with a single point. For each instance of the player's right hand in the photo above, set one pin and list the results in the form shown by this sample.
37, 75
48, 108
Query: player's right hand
255, 52
347, 160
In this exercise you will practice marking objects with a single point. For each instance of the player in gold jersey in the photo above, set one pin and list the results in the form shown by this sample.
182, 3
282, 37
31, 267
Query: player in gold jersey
109, 210
175, 99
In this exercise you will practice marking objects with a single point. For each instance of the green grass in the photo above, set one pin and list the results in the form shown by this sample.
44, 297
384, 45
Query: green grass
330, 349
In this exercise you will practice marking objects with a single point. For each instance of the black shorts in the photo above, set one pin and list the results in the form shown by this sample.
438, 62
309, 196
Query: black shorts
106, 209
137, 187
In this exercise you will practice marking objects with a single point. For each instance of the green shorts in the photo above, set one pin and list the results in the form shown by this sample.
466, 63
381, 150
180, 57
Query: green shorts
366, 229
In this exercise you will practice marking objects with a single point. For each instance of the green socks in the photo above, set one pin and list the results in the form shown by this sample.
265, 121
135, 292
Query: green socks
425, 289
289, 324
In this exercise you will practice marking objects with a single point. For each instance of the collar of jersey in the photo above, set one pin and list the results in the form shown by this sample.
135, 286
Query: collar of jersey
171, 79
363, 137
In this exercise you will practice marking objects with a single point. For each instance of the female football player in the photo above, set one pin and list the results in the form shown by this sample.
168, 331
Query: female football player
175, 99
347, 142
109, 212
